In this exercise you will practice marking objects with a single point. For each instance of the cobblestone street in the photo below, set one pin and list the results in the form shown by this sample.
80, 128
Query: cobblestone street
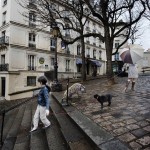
128, 118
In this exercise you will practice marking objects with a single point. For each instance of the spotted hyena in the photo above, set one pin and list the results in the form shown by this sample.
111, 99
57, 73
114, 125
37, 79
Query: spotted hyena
76, 88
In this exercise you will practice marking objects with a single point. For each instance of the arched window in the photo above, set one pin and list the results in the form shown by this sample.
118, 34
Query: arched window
78, 49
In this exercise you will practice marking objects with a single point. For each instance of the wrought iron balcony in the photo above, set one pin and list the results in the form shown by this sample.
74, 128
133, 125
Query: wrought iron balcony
4, 40
33, 45
52, 48
31, 67
32, 24
4, 67
67, 51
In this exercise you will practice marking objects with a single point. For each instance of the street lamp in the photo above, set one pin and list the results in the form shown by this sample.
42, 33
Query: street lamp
56, 86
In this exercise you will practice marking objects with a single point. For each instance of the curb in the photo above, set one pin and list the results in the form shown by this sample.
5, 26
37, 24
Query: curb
92, 130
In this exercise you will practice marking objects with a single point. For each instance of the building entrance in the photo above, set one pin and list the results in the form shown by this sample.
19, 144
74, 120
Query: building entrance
3, 85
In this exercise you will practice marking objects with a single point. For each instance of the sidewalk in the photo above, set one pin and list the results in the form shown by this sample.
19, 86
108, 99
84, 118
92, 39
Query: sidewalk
128, 118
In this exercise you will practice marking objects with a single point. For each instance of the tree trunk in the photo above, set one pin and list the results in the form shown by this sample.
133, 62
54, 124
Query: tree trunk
83, 60
109, 49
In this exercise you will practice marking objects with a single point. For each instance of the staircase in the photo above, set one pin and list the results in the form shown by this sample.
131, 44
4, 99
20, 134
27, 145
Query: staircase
63, 134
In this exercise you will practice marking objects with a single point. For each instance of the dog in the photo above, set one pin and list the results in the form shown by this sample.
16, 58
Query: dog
76, 88
103, 98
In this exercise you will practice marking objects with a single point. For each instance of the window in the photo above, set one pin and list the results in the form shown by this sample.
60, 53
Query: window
78, 50
94, 28
3, 33
94, 41
32, 19
67, 65
67, 49
116, 43
31, 62
87, 39
52, 61
87, 26
53, 44
32, 40
31, 80
67, 32
4, 18
100, 54
32, 37
88, 52
4, 2
117, 56
2, 59
94, 53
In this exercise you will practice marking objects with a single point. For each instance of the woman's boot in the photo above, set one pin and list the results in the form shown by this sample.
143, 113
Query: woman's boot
127, 84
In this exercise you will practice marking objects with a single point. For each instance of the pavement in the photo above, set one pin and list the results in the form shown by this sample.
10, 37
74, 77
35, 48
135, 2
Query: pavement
125, 124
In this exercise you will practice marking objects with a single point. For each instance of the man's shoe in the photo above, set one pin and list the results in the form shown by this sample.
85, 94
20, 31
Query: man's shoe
47, 126
33, 129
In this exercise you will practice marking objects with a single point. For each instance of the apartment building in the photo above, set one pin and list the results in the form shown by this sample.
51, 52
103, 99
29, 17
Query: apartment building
26, 53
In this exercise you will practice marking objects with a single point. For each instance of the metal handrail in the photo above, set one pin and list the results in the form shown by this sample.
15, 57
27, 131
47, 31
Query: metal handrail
4, 111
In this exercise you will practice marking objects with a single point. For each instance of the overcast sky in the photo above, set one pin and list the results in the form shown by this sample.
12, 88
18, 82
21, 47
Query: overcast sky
144, 40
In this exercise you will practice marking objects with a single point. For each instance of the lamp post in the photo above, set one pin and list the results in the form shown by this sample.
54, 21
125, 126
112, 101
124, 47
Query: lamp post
56, 86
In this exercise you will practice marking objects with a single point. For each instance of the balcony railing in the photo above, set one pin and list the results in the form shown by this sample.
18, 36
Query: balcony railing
31, 67
32, 24
4, 40
52, 48
67, 52
32, 45
4, 67
68, 70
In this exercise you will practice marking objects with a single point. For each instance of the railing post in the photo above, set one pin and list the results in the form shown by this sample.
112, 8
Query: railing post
67, 90
2, 127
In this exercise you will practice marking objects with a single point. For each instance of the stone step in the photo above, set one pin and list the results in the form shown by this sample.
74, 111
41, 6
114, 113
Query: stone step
96, 134
54, 136
38, 140
12, 134
23, 137
72, 134
8, 120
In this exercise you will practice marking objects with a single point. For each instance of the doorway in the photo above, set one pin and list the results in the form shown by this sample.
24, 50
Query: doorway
3, 85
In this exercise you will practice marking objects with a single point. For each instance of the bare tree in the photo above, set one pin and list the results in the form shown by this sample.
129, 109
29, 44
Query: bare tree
117, 16
135, 32
147, 12
71, 16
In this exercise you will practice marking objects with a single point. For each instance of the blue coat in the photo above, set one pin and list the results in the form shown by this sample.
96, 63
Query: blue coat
43, 97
